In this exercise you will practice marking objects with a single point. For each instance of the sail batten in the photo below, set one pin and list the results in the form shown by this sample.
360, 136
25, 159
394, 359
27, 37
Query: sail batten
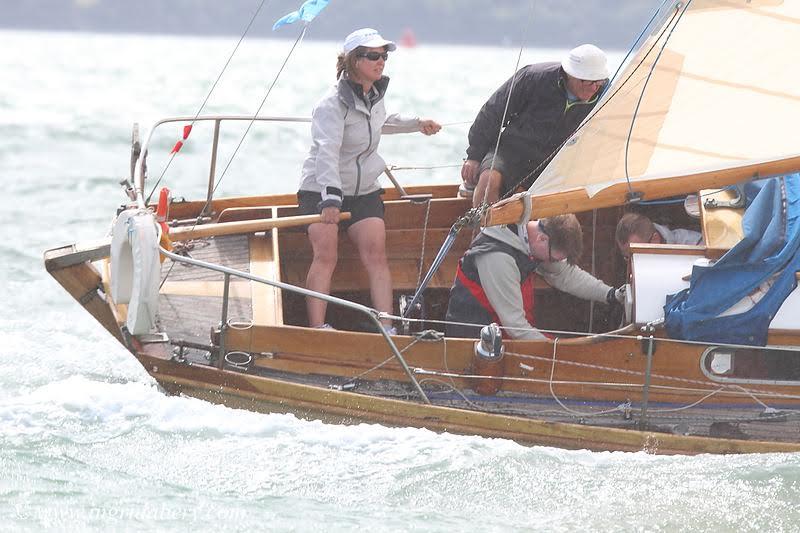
713, 88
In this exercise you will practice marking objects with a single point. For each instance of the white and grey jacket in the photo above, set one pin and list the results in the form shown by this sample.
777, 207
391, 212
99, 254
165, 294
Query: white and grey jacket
345, 133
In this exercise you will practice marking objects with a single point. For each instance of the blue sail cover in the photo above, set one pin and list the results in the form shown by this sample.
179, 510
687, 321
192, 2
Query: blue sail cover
771, 227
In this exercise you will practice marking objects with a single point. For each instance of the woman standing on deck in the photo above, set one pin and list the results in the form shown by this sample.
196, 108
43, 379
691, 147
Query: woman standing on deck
342, 169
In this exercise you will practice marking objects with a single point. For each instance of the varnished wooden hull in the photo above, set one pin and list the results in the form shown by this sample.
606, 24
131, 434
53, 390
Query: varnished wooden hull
240, 390
580, 392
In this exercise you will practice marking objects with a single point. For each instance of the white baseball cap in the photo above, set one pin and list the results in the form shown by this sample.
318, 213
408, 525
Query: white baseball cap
586, 62
366, 37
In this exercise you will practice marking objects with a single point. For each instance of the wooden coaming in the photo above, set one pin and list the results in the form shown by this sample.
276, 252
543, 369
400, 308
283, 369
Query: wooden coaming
185, 210
590, 369
403, 250
265, 263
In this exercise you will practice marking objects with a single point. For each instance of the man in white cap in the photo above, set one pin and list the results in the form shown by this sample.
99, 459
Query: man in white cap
548, 102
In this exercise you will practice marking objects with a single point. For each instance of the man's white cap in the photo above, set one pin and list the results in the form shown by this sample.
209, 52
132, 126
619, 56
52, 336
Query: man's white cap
367, 37
586, 62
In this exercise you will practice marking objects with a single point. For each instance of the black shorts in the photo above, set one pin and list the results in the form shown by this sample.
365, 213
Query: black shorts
360, 207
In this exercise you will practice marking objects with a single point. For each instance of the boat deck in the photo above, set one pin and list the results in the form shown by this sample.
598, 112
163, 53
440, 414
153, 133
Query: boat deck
191, 299
191, 302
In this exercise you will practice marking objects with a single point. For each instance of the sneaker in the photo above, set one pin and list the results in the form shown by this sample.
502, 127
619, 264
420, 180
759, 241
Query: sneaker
391, 330
325, 326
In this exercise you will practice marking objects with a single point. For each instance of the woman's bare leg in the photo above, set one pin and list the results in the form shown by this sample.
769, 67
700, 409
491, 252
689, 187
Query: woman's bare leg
324, 242
369, 236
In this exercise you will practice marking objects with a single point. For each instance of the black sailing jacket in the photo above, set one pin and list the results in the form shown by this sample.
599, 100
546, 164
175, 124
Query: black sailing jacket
537, 122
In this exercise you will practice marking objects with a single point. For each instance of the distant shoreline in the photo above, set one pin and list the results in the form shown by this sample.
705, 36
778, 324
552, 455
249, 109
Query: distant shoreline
543, 24
231, 37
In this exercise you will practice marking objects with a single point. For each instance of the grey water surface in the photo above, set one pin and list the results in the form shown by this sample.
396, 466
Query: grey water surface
89, 443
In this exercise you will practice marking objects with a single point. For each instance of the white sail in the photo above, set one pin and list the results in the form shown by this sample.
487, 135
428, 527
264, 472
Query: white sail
724, 92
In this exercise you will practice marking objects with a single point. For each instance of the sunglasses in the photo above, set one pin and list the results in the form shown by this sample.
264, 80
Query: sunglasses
592, 83
544, 230
374, 56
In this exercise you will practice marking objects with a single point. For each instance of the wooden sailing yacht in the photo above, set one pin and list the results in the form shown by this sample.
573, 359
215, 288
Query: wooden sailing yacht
222, 318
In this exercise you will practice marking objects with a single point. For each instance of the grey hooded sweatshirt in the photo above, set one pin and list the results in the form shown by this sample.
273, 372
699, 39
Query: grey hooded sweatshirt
500, 278
345, 132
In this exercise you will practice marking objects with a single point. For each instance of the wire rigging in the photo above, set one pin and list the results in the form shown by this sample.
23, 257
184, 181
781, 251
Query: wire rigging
525, 182
205, 100
243, 137
674, 25
508, 101
255, 115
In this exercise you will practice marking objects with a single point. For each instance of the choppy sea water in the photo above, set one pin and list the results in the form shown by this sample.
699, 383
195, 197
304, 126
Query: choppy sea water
87, 440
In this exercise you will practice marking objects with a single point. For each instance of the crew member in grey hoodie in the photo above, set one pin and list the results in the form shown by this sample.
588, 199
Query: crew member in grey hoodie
494, 280
342, 169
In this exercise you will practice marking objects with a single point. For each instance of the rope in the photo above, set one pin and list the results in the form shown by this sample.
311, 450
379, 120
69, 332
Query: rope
728, 389
244, 135
423, 336
683, 408
639, 38
644, 87
725, 389
609, 384
456, 390
594, 258
567, 333
659, 376
255, 115
382, 363
556, 398
444, 358
456, 123
524, 181
508, 101
429, 167
205, 101
769, 413
424, 235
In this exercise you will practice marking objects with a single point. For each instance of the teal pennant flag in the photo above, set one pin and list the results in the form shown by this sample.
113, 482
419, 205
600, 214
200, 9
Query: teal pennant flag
307, 12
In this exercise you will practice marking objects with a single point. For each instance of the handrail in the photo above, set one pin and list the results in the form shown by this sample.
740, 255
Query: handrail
139, 174
371, 313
